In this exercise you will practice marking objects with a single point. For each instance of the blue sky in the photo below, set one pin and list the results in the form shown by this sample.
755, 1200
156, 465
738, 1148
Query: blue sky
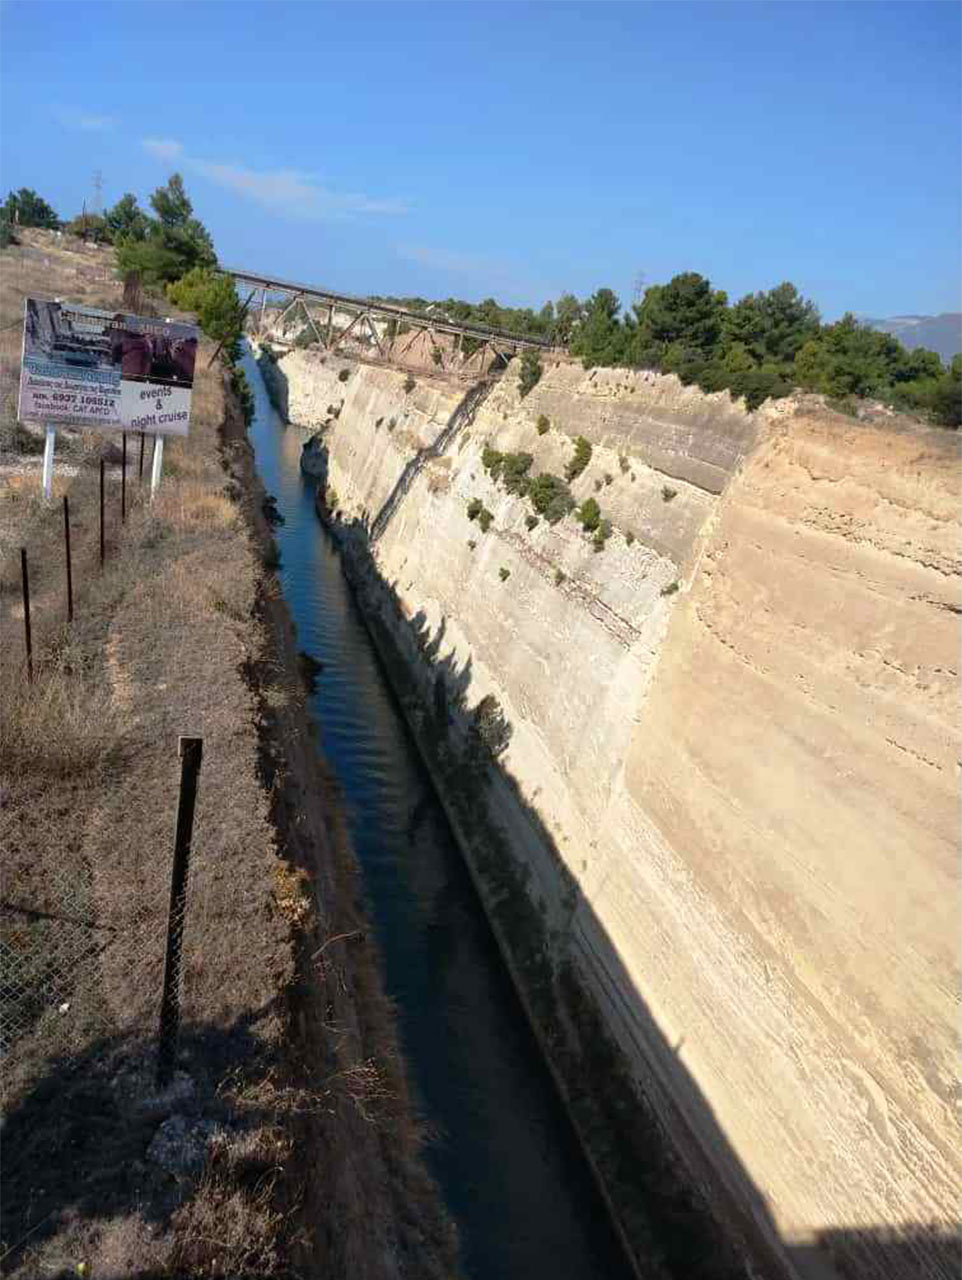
515, 149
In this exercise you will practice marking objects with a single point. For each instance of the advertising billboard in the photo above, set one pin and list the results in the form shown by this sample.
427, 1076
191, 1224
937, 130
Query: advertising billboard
106, 370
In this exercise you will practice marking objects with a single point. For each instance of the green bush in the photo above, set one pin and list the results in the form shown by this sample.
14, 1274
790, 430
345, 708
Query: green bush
91, 227
670, 589
589, 513
514, 472
550, 497
127, 220
174, 241
504, 574
542, 424
531, 522
629, 537
623, 463
213, 299
242, 390
668, 493
484, 519
409, 384
530, 372
475, 507
602, 534
559, 577
491, 460
582, 457
608, 477
842, 404
24, 208
343, 375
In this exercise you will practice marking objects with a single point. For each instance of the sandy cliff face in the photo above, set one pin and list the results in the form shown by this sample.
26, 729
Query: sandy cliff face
752, 779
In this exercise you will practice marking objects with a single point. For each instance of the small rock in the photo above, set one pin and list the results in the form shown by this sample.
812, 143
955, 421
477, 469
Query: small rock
180, 1145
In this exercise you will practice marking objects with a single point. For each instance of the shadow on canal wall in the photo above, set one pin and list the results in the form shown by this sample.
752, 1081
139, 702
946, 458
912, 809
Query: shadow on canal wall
678, 1193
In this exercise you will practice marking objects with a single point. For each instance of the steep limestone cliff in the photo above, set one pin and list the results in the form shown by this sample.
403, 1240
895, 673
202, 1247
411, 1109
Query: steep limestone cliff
751, 778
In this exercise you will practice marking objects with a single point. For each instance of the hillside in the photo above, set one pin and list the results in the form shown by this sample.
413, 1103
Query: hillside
941, 334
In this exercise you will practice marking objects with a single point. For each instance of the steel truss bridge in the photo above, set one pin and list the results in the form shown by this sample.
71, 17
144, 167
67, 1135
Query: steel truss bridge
399, 327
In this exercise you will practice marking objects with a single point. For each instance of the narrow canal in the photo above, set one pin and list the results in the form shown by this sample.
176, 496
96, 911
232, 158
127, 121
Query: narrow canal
505, 1156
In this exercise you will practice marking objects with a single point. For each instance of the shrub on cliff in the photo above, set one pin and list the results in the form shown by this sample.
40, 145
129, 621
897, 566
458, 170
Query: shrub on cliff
242, 390
531, 371
589, 513
492, 461
550, 497
213, 299
580, 460
475, 507
514, 472
543, 424
409, 384
484, 519
602, 534
489, 729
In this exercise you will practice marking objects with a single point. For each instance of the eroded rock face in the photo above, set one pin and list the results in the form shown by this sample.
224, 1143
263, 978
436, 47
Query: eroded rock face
739, 723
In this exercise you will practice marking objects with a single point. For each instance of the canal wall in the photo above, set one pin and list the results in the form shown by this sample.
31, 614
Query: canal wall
727, 789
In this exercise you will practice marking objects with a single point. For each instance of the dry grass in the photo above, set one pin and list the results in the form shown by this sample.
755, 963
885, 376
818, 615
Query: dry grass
89, 770
317, 1163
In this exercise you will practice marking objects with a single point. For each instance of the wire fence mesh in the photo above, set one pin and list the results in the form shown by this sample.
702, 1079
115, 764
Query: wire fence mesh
70, 929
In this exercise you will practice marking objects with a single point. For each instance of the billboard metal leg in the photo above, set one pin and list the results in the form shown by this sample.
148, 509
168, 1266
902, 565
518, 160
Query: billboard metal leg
48, 462
157, 465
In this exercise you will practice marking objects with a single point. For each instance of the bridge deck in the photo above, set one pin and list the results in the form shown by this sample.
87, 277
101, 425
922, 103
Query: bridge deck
332, 298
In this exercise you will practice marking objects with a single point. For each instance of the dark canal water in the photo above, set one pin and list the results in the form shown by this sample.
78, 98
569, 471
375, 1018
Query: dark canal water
505, 1156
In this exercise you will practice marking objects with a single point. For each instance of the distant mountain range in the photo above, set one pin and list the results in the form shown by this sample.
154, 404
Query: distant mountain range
936, 333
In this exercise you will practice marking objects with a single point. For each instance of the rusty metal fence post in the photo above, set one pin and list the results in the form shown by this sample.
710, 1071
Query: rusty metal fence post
101, 513
191, 751
66, 542
25, 588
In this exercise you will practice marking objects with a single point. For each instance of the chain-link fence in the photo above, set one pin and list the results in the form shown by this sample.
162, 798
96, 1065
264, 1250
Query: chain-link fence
73, 929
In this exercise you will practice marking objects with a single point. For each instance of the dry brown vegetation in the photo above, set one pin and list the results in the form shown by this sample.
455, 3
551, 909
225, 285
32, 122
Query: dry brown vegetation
287, 1043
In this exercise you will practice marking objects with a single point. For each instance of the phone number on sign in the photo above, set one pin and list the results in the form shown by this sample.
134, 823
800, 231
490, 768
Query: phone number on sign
71, 402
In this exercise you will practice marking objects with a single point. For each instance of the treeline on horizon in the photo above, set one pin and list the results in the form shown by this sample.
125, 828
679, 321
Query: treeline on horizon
765, 345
